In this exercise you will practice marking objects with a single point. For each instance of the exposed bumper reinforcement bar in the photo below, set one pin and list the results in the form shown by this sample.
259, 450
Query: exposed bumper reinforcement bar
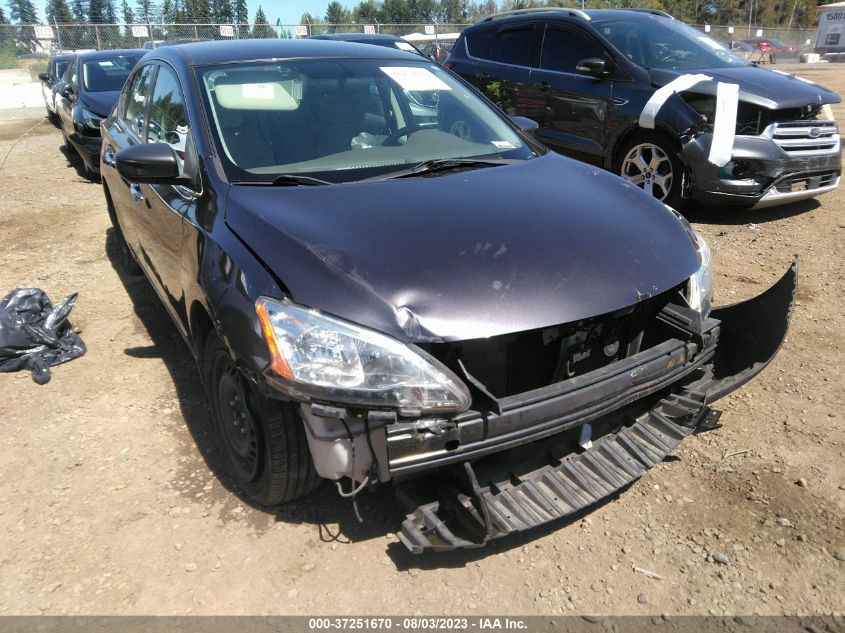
528, 486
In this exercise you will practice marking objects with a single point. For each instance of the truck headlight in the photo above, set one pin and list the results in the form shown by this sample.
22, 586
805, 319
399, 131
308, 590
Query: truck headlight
340, 361
700, 286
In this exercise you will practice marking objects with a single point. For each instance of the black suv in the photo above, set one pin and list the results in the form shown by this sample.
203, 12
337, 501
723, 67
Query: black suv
585, 77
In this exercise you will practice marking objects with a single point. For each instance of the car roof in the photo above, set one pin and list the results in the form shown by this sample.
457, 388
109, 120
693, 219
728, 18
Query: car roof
357, 37
203, 53
60, 57
550, 13
120, 52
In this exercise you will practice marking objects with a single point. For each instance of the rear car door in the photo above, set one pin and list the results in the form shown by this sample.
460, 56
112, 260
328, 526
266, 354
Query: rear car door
577, 105
502, 63
160, 214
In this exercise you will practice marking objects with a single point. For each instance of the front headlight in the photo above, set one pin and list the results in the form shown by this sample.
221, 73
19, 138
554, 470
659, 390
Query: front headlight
91, 120
336, 360
700, 286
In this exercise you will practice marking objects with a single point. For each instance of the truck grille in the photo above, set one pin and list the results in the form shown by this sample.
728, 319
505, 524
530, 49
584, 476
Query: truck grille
805, 138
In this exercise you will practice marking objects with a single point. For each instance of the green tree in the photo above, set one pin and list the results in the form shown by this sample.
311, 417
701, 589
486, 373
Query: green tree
2, 16
336, 13
23, 12
223, 13
396, 12
262, 27
367, 12
58, 12
242, 12
453, 11
144, 11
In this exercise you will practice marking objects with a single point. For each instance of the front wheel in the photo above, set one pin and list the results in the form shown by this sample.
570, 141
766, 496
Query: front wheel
265, 450
649, 160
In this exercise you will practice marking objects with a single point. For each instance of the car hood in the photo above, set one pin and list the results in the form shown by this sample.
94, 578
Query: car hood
100, 103
770, 89
470, 254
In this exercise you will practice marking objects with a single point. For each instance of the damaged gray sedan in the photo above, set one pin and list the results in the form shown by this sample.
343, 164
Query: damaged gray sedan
375, 299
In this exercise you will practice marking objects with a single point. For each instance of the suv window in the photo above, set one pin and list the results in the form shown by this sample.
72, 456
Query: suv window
135, 101
168, 118
564, 47
480, 42
513, 46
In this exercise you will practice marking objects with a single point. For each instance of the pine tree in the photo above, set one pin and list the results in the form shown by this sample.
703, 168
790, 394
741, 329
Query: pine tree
144, 10
77, 7
201, 11
2, 16
223, 13
336, 13
262, 28
242, 12
23, 11
58, 12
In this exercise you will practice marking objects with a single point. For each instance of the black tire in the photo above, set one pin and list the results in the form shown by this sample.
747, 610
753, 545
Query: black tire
661, 148
265, 450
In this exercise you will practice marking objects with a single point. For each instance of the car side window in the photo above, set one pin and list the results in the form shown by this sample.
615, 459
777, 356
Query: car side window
135, 102
513, 45
70, 73
168, 117
563, 48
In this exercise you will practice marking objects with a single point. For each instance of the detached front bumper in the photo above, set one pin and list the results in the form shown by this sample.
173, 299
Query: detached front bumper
761, 173
500, 473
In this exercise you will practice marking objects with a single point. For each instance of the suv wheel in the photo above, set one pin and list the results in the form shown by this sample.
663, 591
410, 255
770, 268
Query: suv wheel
649, 161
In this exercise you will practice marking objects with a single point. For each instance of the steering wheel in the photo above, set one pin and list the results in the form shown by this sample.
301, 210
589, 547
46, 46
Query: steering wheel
393, 139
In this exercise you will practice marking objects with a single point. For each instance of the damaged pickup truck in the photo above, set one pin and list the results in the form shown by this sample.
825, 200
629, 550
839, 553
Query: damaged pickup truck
657, 102
504, 335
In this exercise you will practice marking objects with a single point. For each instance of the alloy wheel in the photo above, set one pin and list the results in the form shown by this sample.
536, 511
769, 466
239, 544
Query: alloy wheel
650, 168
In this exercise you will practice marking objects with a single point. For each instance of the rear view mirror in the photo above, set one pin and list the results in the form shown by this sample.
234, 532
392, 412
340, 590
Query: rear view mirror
44, 76
595, 66
529, 126
151, 163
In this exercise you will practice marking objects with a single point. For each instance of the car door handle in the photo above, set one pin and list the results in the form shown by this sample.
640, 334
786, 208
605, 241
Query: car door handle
108, 157
542, 85
137, 192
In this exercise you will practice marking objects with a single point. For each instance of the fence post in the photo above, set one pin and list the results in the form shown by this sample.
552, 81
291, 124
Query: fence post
150, 34
58, 33
97, 33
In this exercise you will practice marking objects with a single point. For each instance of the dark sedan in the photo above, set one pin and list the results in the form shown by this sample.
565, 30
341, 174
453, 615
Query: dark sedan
90, 88
504, 334
51, 80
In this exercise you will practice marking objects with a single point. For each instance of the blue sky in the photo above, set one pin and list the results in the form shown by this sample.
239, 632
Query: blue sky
289, 12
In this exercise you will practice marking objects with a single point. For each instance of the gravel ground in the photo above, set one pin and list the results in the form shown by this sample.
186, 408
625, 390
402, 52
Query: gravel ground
109, 504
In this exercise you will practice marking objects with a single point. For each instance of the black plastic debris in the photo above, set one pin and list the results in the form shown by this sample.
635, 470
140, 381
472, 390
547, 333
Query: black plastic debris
35, 335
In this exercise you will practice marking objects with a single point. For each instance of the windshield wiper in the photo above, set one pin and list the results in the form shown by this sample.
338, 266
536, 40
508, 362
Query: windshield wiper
285, 180
438, 165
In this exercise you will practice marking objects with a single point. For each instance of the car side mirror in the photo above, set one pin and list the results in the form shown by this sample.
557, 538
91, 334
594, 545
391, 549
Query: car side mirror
595, 66
44, 76
529, 126
67, 92
154, 163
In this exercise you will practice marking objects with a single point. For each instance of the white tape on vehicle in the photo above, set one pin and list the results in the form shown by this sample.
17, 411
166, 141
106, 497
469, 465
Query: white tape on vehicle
724, 124
684, 82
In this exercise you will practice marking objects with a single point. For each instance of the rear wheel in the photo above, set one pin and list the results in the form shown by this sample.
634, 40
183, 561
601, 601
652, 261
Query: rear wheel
649, 160
263, 441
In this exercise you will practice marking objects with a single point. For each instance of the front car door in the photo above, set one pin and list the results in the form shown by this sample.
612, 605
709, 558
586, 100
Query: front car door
578, 105
122, 131
160, 216
64, 104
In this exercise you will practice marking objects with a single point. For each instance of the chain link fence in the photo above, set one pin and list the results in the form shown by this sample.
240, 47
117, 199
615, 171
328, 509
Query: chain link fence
29, 45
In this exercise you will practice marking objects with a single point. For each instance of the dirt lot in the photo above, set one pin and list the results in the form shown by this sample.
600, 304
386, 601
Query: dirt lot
108, 503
